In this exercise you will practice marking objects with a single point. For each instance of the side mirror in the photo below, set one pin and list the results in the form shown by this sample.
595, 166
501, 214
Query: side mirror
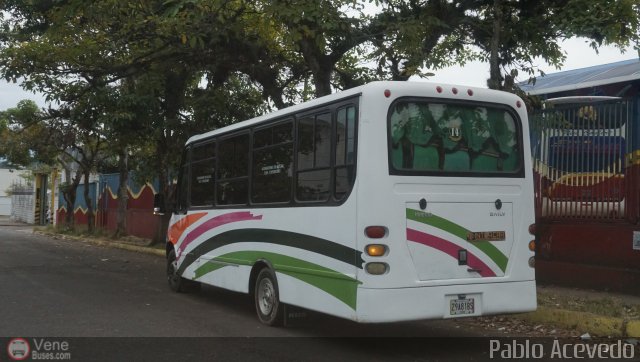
158, 204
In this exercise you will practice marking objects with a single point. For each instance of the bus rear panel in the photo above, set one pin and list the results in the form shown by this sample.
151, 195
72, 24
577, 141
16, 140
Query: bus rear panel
452, 190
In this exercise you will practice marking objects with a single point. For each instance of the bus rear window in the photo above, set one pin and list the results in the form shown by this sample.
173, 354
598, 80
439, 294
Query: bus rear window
438, 138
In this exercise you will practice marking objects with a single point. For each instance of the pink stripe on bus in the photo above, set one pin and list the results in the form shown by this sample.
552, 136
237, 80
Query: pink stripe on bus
449, 248
214, 223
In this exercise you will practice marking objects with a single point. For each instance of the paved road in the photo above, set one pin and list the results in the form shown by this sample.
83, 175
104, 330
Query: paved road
58, 288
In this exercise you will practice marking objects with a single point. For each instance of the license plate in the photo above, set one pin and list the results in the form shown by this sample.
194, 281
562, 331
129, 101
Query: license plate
462, 306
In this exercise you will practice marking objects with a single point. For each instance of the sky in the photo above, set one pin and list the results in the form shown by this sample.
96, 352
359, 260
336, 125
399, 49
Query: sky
12, 93
579, 55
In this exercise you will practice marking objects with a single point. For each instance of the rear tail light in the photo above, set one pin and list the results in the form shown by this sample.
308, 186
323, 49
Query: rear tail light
375, 232
532, 245
532, 229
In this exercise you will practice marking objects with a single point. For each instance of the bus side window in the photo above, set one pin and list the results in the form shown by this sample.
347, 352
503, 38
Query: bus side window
345, 151
183, 183
314, 158
202, 174
233, 171
272, 164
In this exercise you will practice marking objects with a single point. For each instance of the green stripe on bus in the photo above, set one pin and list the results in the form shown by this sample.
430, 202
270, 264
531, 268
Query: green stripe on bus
339, 285
207, 268
443, 224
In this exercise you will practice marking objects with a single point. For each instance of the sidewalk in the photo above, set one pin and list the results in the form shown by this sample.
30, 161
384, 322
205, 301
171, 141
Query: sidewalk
598, 313
126, 243
5, 220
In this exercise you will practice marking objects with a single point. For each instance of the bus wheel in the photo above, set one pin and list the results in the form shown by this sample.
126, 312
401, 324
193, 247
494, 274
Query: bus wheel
270, 310
176, 282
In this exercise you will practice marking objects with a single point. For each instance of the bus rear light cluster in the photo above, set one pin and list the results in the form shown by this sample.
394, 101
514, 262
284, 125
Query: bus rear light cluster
375, 232
532, 229
532, 262
376, 268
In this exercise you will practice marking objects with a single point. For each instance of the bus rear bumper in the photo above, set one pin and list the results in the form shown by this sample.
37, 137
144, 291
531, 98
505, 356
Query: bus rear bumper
437, 302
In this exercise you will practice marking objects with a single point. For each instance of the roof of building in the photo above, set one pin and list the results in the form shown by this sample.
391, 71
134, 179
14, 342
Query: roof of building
623, 71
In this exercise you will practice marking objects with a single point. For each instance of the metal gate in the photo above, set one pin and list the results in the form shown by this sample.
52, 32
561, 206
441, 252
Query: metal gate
580, 155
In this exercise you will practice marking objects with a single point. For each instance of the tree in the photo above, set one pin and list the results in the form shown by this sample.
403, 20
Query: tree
513, 35
24, 139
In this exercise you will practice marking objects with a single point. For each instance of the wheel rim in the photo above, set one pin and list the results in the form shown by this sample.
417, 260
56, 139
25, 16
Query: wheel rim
266, 296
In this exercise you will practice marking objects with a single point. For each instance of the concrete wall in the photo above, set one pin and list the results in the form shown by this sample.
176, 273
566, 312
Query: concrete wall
7, 178
5, 205
23, 206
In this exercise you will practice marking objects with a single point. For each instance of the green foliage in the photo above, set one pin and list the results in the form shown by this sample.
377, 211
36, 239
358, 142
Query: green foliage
24, 137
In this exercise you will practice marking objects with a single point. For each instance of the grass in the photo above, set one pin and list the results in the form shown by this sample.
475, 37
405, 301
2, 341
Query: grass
604, 306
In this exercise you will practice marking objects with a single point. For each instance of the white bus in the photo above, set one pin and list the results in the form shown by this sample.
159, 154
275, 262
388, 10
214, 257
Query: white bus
388, 202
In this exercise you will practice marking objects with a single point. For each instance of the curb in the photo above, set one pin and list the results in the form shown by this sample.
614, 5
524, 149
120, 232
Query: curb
633, 329
583, 321
113, 244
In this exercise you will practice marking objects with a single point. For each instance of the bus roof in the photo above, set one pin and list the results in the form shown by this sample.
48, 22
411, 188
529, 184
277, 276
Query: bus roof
378, 86
279, 113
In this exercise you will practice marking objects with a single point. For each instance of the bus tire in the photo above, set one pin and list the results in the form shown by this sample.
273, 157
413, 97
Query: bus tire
267, 298
176, 282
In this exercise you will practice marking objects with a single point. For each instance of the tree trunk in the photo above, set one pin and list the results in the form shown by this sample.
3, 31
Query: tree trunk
69, 193
91, 218
123, 194
175, 85
495, 80
69, 196
163, 188
322, 78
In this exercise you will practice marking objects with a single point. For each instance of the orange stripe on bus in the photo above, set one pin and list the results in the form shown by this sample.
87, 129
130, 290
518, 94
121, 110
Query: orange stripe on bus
176, 230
